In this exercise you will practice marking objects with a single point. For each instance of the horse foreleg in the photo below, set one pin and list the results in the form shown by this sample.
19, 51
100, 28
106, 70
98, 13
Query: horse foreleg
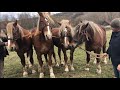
65, 59
22, 57
98, 70
45, 55
71, 59
50, 65
88, 60
98, 66
59, 54
56, 63
41, 66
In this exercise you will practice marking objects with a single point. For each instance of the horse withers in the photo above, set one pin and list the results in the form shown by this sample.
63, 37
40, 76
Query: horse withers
19, 39
94, 37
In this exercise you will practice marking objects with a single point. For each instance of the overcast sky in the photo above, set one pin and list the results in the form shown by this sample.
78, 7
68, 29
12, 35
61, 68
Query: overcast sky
15, 13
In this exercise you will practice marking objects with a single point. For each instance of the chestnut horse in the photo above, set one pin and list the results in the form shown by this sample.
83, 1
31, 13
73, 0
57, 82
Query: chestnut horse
42, 41
19, 39
62, 38
94, 37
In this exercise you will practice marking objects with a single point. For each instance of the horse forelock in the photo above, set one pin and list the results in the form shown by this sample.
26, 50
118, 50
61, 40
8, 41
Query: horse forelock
9, 28
64, 24
47, 16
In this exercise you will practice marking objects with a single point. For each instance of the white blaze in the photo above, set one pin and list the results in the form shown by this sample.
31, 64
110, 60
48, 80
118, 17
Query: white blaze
49, 32
9, 42
65, 39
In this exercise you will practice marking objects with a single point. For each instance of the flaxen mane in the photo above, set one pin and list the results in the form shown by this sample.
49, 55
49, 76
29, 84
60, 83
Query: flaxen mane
64, 24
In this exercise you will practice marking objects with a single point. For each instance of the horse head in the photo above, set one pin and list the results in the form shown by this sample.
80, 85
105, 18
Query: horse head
44, 25
81, 33
13, 34
66, 33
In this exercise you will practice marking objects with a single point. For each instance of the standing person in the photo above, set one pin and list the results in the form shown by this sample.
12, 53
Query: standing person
114, 47
3, 54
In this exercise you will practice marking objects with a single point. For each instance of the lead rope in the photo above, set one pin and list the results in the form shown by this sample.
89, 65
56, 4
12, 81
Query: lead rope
95, 55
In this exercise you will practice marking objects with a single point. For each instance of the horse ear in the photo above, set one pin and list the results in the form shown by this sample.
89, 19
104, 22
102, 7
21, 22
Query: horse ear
59, 23
85, 26
70, 22
15, 23
40, 13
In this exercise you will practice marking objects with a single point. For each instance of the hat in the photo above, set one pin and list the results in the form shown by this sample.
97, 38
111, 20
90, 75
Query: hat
115, 23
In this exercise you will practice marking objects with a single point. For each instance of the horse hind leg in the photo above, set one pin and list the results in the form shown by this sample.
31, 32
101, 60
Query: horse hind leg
31, 62
88, 60
104, 51
98, 70
56, 63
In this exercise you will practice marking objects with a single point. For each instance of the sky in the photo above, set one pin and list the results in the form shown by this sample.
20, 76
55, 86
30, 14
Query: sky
34, 13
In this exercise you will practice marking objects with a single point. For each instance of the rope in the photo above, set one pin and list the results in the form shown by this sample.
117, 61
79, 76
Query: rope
95, 55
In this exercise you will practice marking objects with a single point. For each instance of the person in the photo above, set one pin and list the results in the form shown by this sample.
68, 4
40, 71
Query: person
3, 54
113, 50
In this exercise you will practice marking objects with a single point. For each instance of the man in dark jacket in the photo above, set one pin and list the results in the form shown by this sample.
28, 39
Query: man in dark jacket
114, 47
3, 53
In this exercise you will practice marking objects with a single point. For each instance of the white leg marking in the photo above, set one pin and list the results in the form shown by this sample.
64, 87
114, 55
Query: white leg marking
95, 61
105, 60
71, 67
99, 69
87, 67
41, 75
66, 68
51, 72
57, 64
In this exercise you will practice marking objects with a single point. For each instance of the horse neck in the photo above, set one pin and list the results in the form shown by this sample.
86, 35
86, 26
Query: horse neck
97, 37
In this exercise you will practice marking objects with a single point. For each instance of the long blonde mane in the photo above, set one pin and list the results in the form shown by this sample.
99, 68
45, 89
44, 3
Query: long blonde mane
9, 29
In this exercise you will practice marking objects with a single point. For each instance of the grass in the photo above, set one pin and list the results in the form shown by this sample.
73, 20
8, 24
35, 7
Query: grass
13, 67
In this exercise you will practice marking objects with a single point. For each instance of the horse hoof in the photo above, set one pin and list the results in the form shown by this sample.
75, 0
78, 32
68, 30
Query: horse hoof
72, 69
41, 75
57, 65
30, 66
33, 71
87, 69
66, 70
52, 75
25, 74
95, 62
98, 71
105, 62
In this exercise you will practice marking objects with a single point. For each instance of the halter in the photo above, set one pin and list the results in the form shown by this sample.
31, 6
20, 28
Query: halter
44, 25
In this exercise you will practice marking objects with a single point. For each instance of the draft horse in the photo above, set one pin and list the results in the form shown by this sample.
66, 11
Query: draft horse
62, 38
94, 37
19, 39
42, 41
